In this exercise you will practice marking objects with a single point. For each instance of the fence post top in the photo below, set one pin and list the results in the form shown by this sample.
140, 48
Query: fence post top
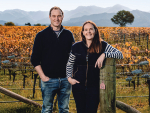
109, 61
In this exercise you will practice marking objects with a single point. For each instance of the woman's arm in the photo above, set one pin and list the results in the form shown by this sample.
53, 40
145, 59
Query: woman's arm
69, 69
110, 52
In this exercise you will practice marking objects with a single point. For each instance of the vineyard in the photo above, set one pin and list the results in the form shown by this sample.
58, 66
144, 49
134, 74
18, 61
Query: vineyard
132, 72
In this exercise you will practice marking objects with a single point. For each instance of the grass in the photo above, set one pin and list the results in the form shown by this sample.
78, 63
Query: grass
122, 89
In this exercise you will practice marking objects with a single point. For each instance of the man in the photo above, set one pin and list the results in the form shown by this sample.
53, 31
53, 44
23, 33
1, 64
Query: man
49, 57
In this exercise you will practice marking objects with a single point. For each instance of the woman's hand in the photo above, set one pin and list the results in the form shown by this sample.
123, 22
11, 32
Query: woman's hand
72, 81
100, 60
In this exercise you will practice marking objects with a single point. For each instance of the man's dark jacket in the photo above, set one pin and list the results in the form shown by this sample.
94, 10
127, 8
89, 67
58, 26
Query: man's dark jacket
52, 52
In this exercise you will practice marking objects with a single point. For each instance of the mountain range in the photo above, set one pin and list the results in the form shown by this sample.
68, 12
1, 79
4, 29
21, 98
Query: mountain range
76, 17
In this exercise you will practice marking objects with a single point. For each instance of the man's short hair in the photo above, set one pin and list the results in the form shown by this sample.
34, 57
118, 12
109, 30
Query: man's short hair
55, 7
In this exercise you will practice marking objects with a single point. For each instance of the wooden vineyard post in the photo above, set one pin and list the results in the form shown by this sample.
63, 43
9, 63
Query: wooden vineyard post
18, 97
108, 94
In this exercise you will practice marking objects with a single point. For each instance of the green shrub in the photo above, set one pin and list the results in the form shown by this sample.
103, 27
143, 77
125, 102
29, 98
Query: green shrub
9, 24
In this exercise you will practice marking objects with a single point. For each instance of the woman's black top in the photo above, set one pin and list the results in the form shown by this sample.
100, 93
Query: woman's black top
82, 63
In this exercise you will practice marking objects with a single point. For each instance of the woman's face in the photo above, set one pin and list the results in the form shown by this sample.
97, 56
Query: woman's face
89, 31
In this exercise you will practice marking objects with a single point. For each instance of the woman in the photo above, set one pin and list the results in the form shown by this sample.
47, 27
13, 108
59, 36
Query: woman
85, 60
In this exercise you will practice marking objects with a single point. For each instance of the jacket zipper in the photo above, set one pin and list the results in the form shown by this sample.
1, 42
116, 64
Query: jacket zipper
60, 32
75, 72
87, 67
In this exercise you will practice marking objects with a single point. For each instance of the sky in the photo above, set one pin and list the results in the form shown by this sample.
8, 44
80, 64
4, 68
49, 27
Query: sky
45, 5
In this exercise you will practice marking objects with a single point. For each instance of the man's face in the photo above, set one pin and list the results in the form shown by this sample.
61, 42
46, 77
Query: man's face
56, 18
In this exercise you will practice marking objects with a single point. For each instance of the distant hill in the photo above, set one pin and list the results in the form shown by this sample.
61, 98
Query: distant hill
102, 19
21, 17
89, 10
76, 17
141, 19
2, 22
117, 8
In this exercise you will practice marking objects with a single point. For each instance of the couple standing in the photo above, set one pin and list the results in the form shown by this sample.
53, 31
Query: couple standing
58, 70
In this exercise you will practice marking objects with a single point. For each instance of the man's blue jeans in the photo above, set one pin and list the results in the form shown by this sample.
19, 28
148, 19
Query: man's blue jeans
59, 86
